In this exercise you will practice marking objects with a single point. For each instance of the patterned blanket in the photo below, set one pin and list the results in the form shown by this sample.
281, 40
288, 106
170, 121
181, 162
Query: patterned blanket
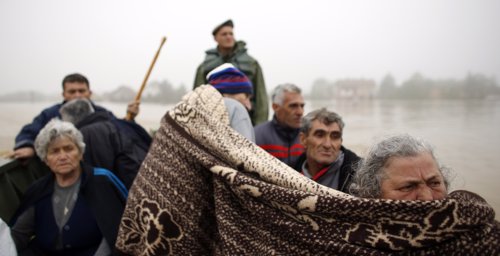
204, 189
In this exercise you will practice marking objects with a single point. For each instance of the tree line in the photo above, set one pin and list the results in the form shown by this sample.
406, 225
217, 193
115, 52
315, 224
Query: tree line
156, 91
473, 86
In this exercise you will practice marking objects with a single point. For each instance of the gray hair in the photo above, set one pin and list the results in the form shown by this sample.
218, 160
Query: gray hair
370, 173
278, 95
322, 115
76, 110
57, 129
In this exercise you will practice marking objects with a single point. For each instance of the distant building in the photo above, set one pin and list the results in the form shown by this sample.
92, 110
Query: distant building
152, 90
121, 94
354, 89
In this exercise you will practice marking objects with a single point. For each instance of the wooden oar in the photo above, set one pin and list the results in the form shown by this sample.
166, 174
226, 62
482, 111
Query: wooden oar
139, 93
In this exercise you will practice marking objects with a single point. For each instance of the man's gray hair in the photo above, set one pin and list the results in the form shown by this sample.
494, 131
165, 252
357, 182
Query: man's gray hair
322, 115
57, 129
76, 110
370, 173
278, 96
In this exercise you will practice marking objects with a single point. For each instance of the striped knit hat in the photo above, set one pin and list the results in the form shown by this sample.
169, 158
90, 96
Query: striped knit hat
228, 79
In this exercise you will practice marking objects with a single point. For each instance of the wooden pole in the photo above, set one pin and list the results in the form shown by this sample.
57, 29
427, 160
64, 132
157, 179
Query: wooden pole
139, 93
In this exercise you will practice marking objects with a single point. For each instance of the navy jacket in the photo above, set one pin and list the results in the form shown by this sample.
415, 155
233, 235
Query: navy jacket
96, 214
109, 146
27, 135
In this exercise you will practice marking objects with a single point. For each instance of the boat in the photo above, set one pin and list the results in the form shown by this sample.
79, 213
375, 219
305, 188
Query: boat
15, 177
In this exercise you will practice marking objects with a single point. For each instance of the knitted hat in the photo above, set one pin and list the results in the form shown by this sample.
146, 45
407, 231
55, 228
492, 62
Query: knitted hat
225, 23
228, 79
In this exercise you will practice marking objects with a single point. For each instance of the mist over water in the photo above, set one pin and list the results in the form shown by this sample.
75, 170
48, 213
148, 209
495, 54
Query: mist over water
465, 133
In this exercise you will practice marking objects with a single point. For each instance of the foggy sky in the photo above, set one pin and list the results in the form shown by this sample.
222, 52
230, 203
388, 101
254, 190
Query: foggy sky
113, 42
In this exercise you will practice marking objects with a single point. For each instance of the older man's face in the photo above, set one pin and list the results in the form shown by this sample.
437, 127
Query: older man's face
413, 178
322, 143
292, 110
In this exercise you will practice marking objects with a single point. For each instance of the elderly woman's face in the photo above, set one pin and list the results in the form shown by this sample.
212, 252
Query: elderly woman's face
413, 178
63, 156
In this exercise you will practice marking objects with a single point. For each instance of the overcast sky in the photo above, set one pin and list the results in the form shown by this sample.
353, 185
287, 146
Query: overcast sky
113, 42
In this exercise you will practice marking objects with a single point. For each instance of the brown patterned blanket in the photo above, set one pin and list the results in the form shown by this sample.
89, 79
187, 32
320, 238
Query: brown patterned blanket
204, 189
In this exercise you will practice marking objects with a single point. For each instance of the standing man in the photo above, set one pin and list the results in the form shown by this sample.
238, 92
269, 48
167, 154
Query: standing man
280, 136
325, 160
230, 51
74, 86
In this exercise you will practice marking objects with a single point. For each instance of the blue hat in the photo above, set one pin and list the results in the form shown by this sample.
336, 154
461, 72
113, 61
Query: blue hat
228, 79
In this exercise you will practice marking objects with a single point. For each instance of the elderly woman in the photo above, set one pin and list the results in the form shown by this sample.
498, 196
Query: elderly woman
401, 167
75, 210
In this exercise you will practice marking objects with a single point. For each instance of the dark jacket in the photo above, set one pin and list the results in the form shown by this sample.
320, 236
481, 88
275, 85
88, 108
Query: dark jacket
28, 133
280, 141
101, 201
246, 64
109, 147
346, 170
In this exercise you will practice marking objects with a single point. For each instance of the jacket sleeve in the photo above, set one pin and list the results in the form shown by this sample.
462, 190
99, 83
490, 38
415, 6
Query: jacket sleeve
106, 196
261, 106
28, 133
199, 78
24, 229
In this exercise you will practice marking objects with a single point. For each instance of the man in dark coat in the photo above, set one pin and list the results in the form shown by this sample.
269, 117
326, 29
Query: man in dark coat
74, 86
325, 160
107, 146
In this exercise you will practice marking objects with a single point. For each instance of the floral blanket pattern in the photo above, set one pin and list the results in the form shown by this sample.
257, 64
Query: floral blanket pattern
203, 189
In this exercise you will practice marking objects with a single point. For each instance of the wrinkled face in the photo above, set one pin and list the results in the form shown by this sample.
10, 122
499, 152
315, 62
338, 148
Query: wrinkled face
225, 37
413, 178
291, 111
243, 98
63, 156
322, 143
76, 90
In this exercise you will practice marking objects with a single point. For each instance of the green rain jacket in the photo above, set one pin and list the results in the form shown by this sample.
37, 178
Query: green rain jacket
248, 65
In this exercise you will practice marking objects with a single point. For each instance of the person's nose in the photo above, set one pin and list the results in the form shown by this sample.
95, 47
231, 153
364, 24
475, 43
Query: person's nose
62, 156
78, 95
300, 111
424, 193
327, 142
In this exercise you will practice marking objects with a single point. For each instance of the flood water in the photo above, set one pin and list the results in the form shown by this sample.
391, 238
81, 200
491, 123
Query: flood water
466, 134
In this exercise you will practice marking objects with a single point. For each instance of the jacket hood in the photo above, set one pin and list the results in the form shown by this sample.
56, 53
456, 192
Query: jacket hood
94, 118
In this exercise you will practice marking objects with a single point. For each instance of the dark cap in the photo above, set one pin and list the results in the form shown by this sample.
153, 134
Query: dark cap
226, 23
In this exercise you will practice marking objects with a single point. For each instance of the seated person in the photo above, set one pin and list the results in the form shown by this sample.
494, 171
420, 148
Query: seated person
74, 86
280, 136
401, 167
106, 146
75, 210
325, 160
237, 90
